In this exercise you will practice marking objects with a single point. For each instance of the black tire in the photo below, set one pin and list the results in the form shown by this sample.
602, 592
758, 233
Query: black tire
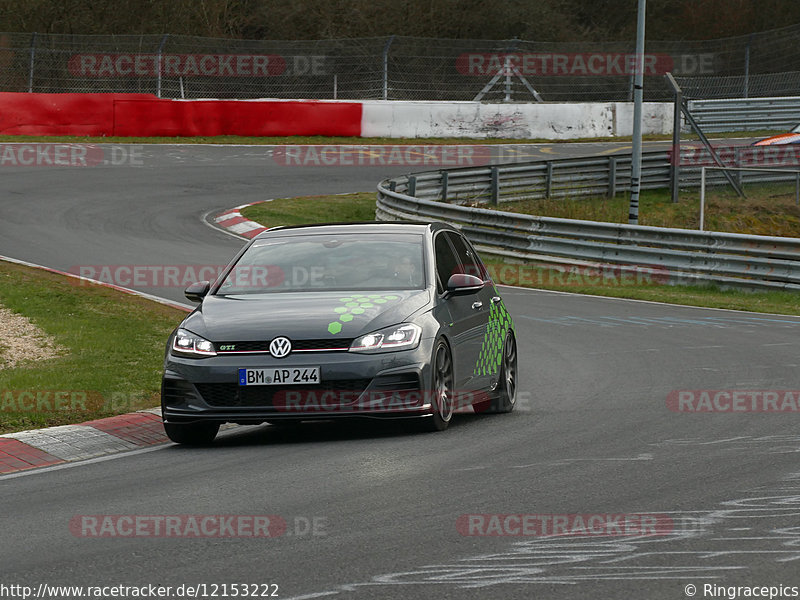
442, 396
192, 434
506, 397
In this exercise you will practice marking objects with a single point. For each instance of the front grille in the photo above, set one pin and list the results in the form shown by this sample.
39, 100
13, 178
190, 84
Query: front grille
234, 395
323, 345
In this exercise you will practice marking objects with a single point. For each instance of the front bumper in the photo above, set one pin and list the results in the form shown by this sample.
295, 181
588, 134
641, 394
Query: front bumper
389, 385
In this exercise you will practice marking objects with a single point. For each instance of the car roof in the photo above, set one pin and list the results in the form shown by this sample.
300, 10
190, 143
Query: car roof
360, 227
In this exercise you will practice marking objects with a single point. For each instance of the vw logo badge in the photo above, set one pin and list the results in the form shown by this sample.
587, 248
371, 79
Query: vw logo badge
280, 347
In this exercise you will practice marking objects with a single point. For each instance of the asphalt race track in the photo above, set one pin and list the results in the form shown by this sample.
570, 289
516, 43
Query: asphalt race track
376, 511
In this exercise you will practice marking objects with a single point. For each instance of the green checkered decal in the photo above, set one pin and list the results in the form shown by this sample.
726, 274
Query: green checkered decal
356, 304
492, 349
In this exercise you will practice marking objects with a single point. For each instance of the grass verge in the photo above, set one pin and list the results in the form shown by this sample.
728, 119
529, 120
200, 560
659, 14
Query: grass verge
767, 210
115, 344
612, 282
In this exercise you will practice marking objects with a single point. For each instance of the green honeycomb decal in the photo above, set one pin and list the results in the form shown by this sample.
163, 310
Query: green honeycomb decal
491, 354
357, 304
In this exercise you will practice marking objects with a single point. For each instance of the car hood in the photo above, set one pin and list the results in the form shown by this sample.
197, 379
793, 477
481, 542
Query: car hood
302, 316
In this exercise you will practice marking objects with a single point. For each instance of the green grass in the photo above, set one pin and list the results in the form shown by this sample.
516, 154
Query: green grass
361, 207
767, 210
115, 348
345, 208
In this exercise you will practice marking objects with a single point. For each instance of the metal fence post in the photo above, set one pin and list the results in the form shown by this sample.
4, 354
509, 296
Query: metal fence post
702, 196
747, 67
612, 176
445, 181
740, 175
797, 188
675, 166
412, 185
507, 69
30, 63
495, 186
386, 68
548, 179
158, 64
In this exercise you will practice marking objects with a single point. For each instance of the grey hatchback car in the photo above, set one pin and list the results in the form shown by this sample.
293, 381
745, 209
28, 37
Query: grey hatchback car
375, 320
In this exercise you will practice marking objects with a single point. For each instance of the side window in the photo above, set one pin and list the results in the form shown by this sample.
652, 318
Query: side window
471, 263
446, 261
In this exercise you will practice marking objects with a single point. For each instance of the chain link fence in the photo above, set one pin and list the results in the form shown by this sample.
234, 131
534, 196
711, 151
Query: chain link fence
397, 67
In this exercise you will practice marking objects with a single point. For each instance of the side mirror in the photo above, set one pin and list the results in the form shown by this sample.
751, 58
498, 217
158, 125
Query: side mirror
197, 291
460, 283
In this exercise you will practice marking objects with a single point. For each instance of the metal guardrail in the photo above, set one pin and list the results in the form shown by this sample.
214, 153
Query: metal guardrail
677, 255
746, 114
571, 177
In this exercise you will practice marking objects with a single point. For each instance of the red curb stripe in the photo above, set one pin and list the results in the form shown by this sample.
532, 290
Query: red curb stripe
18, 456
233, 221
253, 232
142, 429
225, 222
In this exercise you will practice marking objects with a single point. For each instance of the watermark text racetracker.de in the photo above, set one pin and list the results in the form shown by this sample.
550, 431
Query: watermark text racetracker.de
543, 525
537, 275
343, 155
737, 156
71, 155
49, 401
181, 276
734, 401
197, 526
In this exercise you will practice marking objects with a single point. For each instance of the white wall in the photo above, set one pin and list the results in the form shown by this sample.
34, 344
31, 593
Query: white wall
550, 121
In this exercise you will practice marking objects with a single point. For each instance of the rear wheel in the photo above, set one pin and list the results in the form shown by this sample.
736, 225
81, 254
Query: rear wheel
442, 392
507, 385
192, 434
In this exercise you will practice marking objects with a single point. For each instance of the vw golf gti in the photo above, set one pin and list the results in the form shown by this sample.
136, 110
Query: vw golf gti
377, 320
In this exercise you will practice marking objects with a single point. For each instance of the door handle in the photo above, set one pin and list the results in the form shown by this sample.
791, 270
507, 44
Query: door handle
495, 299
477, 305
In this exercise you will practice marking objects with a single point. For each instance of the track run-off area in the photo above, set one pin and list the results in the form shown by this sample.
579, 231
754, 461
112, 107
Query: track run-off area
601, 437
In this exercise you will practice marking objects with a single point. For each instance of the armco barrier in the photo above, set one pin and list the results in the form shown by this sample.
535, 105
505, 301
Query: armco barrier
590, 176
145, 115
679, 255
743, 114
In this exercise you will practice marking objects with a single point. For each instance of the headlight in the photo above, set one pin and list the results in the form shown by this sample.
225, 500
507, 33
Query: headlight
398, 337
188, 343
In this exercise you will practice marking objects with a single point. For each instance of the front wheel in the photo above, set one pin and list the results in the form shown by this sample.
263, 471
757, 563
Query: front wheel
192, 434
507, 385
442, 392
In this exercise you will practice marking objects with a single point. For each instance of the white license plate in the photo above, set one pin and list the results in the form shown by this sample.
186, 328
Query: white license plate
284, 376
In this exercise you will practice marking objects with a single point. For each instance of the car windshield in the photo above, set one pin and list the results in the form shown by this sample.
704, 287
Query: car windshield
328, 262
795, 129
